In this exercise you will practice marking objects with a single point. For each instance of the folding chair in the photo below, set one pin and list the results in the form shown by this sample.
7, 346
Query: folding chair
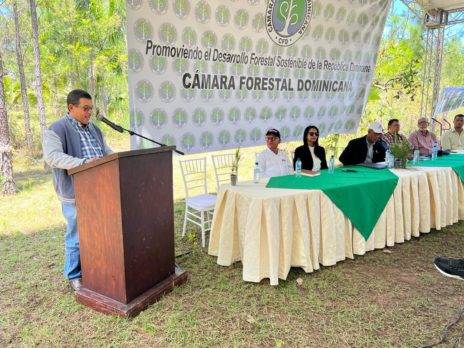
199, 207
222, 168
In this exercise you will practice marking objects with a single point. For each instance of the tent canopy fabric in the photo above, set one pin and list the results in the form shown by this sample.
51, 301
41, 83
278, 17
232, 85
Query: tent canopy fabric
441, 4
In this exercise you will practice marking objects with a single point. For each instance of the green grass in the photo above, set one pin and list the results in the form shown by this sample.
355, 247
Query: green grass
379, 299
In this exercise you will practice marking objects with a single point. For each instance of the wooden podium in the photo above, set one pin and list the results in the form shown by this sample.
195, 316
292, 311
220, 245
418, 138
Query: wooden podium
125, 220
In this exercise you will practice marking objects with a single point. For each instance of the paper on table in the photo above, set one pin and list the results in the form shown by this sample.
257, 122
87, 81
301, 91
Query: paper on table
311, 174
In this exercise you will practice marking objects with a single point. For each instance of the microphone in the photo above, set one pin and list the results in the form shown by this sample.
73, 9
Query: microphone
102, 118
120, 129
435, 120
441, 124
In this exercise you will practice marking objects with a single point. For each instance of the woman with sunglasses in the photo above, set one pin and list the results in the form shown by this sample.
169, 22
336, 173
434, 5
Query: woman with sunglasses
311, 154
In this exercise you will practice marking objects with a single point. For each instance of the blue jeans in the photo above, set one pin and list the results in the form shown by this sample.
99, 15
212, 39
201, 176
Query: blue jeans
72, 263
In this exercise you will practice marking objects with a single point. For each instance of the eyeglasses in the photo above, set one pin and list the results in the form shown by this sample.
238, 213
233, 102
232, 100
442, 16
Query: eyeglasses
86, 108
313, 134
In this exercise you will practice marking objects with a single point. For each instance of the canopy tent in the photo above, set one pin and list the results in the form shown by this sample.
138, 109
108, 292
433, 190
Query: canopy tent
447, 5
436, 16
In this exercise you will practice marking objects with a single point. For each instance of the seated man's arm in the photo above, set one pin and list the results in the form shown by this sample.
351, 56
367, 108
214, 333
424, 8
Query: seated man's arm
413, 141
346, 157
446, 141
289, 163
53, 152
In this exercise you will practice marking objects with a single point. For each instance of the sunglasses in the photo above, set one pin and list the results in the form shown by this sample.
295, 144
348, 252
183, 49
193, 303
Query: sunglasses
313, 134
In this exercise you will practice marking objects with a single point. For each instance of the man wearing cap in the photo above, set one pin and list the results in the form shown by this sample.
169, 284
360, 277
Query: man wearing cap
272, 161
422, 139
367, 149
454, 139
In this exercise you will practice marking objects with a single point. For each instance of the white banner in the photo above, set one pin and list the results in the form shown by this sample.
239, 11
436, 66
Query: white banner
208, 74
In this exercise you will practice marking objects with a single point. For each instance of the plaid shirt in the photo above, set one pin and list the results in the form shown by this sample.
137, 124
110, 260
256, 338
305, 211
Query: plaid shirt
89, 145
393, 138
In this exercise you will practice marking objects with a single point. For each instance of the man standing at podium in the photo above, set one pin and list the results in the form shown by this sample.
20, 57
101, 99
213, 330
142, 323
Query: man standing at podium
70, 142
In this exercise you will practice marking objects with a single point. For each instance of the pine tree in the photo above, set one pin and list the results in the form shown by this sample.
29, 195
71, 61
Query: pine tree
22, 78
6, 151
38, 72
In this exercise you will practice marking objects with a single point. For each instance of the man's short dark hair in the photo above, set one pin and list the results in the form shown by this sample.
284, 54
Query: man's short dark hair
458, 115
393, 120
75, 95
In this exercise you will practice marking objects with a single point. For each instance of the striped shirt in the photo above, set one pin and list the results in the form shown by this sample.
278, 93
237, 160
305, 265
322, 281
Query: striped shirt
90, 146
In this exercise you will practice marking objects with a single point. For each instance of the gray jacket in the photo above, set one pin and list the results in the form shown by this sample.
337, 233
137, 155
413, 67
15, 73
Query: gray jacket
62, 151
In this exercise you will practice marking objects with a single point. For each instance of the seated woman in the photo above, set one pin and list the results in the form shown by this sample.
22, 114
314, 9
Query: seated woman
311, 155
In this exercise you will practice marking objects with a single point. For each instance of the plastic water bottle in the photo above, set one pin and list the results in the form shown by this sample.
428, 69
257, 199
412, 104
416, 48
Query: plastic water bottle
289, 168
434, 151
390, 159
415, 158
256, 173
283, 167
331, 165
298, 167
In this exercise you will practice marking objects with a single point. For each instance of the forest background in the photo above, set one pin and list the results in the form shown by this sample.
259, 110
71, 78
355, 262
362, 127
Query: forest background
82, 44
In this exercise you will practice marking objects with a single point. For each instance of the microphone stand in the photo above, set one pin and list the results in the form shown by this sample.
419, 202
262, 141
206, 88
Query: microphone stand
441, 125
131, 132
120, 129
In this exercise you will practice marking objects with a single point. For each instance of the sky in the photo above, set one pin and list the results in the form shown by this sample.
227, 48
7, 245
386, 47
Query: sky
398, 7
451, 32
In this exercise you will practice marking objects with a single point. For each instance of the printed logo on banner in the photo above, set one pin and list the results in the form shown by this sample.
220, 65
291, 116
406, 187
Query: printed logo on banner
287, 20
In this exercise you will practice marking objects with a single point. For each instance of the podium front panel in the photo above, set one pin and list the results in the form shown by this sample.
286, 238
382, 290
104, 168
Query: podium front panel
99, 227
148, 220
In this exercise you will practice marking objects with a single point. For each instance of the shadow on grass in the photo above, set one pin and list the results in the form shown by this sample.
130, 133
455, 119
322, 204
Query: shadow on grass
376, 299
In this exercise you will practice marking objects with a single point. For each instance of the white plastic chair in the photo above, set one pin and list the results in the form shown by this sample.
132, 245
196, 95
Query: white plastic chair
292, 155
222, 168
199, 205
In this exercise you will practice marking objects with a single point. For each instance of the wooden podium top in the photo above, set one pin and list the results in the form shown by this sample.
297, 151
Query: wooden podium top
117, 155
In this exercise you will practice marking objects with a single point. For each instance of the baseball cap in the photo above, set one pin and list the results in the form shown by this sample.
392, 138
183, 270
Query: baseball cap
274, 132
376, 127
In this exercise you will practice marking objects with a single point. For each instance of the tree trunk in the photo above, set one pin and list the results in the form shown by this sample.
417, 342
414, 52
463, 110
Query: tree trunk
104, 101
92, 81
6, 151
22, 78
38, 73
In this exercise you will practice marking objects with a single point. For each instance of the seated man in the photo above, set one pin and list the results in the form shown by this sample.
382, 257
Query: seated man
272, 161
367, 149
454, 138
393, 135
422, 139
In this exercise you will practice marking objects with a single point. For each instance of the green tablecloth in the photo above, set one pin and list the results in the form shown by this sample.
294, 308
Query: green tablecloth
454, 161
361, 195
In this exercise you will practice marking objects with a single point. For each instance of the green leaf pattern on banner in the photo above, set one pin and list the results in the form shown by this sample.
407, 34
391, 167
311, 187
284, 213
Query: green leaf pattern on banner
338, 31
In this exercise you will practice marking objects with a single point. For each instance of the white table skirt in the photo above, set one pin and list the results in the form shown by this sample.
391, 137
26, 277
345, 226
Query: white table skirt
272, 230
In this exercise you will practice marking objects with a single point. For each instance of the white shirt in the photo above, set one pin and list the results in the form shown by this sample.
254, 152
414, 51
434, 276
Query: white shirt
370, 152
316, 160
274, 164
452, 140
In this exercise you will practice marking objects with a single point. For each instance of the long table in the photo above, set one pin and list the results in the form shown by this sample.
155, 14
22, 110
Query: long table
272, 230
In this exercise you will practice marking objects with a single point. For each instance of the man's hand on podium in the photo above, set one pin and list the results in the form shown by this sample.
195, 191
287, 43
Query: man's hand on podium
91, 159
